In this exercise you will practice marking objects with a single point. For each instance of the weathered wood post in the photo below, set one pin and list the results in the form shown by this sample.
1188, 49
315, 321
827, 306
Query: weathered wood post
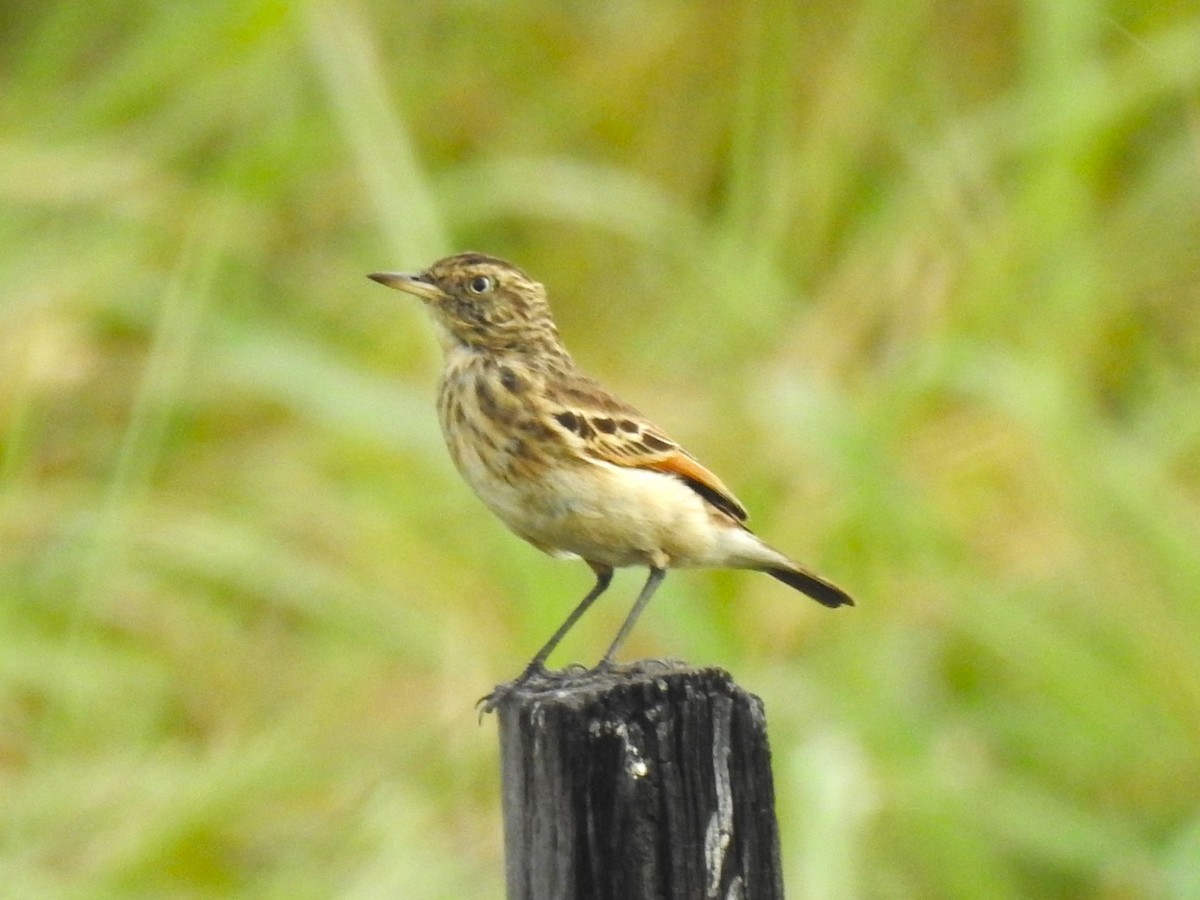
650, 781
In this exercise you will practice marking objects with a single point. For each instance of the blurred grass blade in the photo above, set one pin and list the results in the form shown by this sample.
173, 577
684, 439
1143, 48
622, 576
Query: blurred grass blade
351, 65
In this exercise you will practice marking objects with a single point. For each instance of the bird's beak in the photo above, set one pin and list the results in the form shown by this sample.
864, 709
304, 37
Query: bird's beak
410, 283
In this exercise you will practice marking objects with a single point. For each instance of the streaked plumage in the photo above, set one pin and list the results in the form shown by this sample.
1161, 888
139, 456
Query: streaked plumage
567, 466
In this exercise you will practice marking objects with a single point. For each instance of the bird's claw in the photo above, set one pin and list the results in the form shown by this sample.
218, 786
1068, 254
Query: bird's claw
534, 678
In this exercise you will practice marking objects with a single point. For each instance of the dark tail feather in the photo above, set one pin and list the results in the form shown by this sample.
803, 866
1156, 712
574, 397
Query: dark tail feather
816, 587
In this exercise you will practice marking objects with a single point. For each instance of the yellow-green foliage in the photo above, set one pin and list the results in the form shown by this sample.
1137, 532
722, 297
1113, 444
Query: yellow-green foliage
919, 280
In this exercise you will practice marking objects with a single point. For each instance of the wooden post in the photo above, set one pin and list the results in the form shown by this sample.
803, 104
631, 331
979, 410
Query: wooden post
647, 781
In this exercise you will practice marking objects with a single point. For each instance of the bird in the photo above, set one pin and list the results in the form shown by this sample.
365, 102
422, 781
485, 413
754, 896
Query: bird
565, 464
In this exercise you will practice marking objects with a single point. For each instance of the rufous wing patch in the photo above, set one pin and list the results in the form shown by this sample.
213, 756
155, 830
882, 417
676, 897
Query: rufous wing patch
698, 478
599, 425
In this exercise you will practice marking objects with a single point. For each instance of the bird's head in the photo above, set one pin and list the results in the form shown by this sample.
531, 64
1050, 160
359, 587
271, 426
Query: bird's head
483, 303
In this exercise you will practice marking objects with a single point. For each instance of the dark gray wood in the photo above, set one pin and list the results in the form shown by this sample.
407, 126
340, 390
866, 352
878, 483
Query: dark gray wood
648, 781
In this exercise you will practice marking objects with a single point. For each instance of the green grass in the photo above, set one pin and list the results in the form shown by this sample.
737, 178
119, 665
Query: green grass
920, 280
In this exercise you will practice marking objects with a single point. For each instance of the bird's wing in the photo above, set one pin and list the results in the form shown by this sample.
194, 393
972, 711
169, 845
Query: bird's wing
605, 428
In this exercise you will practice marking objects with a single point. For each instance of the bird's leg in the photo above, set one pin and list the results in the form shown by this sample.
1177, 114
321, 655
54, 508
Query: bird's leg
648, 589
537, 665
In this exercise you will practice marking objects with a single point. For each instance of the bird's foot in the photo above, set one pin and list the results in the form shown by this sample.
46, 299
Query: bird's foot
614, 669
536, 677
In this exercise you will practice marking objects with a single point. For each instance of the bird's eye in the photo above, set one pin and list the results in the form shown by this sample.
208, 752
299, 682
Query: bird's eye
480, 284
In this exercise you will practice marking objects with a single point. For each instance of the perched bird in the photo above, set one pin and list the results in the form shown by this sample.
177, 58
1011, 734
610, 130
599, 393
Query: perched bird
566, 465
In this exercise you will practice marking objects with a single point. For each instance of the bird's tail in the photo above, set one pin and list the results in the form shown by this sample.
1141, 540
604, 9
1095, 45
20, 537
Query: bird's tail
742, 549
824, 592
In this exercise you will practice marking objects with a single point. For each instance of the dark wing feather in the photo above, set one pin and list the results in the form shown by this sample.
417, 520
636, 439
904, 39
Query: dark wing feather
606, 428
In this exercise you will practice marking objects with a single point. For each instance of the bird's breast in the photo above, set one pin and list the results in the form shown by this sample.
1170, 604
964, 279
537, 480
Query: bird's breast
496, 433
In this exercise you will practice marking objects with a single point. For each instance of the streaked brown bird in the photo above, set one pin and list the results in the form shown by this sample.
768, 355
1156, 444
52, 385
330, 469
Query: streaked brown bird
566, 465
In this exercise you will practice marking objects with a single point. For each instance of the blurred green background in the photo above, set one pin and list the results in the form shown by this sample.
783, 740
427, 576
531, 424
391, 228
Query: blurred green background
920, 280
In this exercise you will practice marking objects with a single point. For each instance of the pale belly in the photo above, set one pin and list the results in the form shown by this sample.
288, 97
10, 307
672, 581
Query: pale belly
603, 513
